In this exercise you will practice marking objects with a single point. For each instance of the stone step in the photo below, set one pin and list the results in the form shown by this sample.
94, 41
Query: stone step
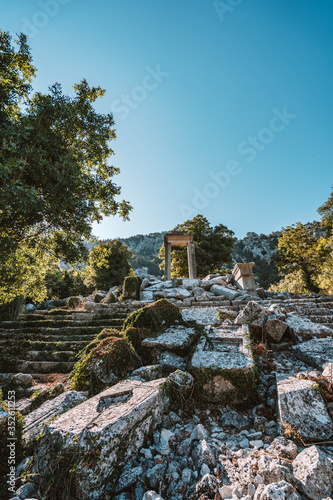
29, 325
5, 337
44, 367
66, 330
74, 345
50, 356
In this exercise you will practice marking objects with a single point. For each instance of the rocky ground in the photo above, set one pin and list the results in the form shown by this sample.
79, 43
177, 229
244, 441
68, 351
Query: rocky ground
279, 445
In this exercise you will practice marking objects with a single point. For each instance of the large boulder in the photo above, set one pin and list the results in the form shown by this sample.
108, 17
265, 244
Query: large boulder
155, 316
315, 352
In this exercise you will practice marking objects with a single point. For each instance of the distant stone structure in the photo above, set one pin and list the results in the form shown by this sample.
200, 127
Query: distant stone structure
244, 276
180, 239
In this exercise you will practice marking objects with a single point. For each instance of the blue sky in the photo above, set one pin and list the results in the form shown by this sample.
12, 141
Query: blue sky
221, 107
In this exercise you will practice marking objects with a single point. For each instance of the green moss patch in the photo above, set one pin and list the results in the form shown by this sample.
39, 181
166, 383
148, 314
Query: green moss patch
154, 316
131, 288
115, 354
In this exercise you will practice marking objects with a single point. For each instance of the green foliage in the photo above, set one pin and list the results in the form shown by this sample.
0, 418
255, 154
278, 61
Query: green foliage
293, 283
56, 180
131, 288
115, 354
301, 252
61, 283
22, 274
109, 264
326, 212
154, 316
213, 247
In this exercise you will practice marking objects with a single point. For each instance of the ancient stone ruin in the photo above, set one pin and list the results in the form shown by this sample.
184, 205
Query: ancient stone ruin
190, 389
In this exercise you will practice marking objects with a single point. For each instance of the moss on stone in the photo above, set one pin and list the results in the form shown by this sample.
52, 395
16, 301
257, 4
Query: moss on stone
154, 316
116, 355
131, 288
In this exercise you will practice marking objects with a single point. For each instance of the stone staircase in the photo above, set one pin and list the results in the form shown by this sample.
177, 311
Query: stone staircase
49, 341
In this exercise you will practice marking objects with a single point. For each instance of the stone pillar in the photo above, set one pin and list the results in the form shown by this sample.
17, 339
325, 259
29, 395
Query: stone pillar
167, 262
244, 276
192, 267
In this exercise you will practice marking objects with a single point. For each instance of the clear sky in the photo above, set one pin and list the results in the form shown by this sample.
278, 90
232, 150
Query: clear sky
222, 108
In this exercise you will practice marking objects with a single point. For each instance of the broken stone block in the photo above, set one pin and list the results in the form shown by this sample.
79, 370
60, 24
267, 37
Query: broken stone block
34, 422
23, 380
176, 338
225, 292
314, 472
243, 275
281, 490
301, 408
115, 422
316, 352
305, 328
203, 454
147, 296
282, 447
189, 284
148, 373
275, 328
202, 315
172, 361
181, 379
253, 314
128, 478
223, 364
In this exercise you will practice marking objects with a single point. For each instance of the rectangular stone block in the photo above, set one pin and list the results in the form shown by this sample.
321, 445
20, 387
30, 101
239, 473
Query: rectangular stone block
223, 364
243, 274
315, 352
202, 315
302, 408
103, 433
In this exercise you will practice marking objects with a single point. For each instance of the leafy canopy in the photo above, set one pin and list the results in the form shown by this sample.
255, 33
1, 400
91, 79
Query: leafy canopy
109, 264
301, 252
55, 176
213, 247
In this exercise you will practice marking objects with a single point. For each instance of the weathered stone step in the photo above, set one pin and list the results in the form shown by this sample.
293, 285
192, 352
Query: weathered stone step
66, 330
29, 325
41, 337
320, 319
74, 345
24, 366
50, 356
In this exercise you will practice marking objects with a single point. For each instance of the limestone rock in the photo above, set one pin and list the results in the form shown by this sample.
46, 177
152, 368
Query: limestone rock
171, 361
305, 328
316, 352
181, 379
301, 406
328, 371
202, 315
284, 448
225, 292
147, 373
253, 314
275, 328
175, 338
203, 453
116, 422
127, 478
23, 380
34, 422
280, 491
314, 472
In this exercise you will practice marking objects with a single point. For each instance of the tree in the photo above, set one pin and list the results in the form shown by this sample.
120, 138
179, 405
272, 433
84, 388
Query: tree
326, 212
109, 264
55, 179
213, 247
301, 252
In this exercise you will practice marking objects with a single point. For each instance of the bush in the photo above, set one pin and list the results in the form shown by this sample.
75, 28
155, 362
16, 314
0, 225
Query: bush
109, 264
